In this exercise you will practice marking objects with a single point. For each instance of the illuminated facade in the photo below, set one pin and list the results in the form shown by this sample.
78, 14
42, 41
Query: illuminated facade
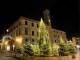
7, 44
76, 40
0, 44
28, 29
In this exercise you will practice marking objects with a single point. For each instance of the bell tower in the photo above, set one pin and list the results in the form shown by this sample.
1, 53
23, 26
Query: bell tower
47, 21
46, 17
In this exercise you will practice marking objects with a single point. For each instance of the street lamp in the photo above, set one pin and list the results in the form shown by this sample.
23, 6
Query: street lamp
6, 42
7, 30
19, 41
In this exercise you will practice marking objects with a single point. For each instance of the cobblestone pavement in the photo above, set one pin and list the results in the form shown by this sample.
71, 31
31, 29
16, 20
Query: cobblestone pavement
78, 55
7, 58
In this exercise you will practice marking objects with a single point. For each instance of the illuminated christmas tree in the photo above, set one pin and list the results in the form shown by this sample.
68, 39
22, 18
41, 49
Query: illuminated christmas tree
43, 39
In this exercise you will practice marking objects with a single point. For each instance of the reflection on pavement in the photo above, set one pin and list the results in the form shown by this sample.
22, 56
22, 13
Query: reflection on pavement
78, 54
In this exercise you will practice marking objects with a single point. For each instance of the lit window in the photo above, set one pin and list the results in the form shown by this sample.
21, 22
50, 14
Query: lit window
8, 48
32, 33
26, 31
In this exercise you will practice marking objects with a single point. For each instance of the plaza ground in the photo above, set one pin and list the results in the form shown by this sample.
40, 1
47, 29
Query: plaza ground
6, 56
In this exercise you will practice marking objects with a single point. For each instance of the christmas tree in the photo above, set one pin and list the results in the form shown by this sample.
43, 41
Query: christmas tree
43, 39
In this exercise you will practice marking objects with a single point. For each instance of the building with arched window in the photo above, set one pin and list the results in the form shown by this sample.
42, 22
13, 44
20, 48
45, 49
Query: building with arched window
28, 29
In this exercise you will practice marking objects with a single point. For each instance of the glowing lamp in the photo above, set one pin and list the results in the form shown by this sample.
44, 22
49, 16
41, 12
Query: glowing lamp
19, 40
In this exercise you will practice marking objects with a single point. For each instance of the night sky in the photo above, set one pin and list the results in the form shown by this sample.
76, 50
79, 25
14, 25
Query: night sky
63, 13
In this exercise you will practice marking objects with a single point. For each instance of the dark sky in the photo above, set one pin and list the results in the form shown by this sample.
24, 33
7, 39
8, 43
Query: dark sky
63, 13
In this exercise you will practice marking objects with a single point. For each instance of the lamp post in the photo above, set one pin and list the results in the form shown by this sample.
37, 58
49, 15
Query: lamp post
7, 30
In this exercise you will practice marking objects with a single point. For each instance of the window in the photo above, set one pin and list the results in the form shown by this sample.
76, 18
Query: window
37, 25
32, 40
55, 41
19, 31
26, 31
19, 23
58, 36
26, 39
37, 33
16, 26
32, 33
25, 22
56, 32
61, 32
54, 35
32, 24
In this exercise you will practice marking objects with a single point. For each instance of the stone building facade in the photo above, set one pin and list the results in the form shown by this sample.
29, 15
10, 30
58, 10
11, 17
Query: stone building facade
76, 40
28, 29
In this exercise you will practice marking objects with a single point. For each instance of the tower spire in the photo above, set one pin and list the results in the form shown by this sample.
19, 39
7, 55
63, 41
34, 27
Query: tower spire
46, 17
